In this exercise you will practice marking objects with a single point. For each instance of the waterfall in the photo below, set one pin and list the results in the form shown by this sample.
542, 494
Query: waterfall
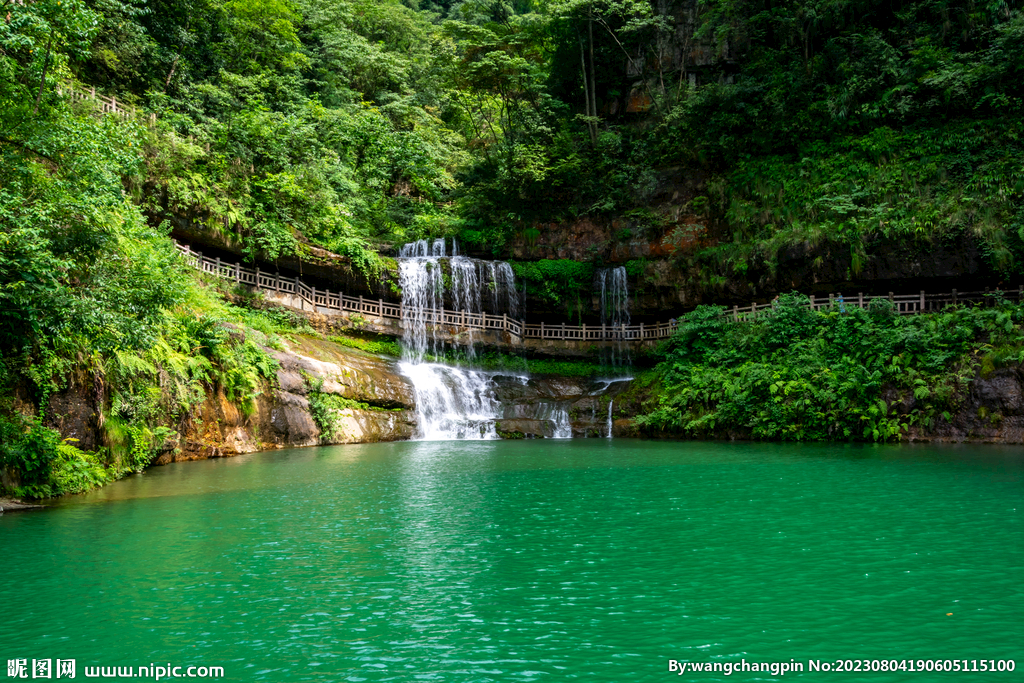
559, 416
422, 282
501, 282
610, 404
615, 309
614, 296
451, 403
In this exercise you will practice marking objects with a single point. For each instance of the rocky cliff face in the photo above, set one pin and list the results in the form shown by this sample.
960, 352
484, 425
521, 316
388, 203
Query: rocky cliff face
541, 406
282, 416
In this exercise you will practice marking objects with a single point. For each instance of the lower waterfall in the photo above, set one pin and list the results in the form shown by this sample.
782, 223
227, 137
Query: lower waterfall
453, 403
560, 417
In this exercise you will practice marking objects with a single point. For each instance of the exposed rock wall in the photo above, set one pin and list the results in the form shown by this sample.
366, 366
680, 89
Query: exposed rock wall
283, 418
529, 406
281, 415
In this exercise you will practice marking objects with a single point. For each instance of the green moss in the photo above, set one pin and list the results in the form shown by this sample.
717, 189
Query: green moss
384, 346
563, 284
492, 360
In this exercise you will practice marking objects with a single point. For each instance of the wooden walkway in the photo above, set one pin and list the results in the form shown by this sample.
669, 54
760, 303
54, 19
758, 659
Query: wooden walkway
106, 105
328, 302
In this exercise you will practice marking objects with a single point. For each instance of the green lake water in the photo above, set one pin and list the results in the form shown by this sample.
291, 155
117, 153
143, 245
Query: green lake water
530, 561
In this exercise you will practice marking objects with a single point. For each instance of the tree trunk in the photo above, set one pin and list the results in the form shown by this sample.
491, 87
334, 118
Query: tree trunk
170, 75
586, 96
42, 79
593, 80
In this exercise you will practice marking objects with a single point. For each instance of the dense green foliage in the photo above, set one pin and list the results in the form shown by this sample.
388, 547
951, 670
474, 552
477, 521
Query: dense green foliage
45, 464
797, 374
354, 124
350, 122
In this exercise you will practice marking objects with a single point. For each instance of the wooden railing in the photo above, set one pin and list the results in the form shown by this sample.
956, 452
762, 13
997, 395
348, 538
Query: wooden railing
324, 300
106, 105
903, 304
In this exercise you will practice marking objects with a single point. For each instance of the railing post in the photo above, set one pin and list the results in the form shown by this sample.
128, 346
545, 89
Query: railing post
238, 272
542, 329
584, 332
954, 296
504, 322
257, 277
641, 331
563, 332
360, 303
218, 267
922, 302
314, 299
380, 308
860, 299
736, 311
277, 283
298, 293
814, 306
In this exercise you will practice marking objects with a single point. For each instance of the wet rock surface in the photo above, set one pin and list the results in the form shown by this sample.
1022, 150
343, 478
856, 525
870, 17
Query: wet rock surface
523, 428
283, 418
579, 404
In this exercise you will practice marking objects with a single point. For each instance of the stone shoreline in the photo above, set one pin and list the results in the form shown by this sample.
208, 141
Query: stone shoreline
15, 505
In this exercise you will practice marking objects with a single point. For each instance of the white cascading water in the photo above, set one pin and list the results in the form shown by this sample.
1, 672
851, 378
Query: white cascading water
615, 309
451, 402
559, 416
610, 404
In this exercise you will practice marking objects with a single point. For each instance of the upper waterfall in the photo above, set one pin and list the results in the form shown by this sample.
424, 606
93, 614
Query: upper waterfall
614, 285
433, 279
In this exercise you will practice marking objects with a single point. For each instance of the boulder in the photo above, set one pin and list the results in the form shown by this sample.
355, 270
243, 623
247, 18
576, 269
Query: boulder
520, 428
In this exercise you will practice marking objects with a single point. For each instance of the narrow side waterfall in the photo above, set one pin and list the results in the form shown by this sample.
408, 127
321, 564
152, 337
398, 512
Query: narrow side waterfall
558, 414
451, 402
610, 404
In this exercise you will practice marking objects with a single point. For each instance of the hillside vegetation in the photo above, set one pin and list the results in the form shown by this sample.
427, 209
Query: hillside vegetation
354, 125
